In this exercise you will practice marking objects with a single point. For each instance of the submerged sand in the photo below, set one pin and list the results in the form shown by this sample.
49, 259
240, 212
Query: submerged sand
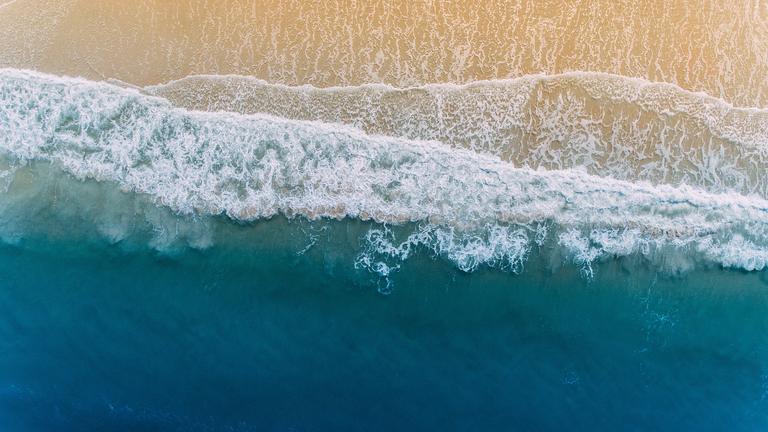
717, 47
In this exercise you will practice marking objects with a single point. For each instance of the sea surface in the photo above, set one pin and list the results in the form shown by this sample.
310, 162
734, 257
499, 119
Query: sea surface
294, 224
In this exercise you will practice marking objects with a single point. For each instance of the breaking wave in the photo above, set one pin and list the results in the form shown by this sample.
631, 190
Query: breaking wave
476, 206
612, 126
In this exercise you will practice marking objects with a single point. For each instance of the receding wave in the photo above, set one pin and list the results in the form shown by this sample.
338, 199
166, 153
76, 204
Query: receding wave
472, 208
613, 126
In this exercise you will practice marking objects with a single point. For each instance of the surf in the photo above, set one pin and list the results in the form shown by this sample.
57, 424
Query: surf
473, 208
612, 126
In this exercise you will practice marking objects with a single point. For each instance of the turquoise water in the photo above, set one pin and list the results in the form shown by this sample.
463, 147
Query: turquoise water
172, 270
98, 338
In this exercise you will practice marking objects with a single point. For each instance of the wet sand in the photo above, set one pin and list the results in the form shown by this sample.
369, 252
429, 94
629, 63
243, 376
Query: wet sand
720, 48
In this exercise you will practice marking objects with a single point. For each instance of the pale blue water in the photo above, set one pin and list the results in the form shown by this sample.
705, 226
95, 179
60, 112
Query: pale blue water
260, 338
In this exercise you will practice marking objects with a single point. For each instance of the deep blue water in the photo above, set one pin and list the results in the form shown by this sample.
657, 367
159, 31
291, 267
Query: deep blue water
249, 335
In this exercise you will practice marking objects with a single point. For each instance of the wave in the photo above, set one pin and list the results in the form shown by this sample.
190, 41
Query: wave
613, 126
472, 208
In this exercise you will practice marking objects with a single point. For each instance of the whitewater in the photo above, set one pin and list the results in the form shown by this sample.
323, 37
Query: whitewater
476, 196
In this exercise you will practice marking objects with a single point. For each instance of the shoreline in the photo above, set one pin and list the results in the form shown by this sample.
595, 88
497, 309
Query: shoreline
401, 44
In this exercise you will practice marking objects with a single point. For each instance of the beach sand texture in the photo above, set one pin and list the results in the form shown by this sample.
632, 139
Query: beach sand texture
720, 48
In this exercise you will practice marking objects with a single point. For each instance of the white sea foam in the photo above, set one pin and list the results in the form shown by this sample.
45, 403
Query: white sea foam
475, 209
614, 126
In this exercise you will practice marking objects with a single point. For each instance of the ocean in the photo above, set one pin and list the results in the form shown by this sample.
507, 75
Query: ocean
168, 269
417, 216
251, 334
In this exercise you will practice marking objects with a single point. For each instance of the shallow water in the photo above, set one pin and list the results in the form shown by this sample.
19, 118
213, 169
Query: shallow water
702, 45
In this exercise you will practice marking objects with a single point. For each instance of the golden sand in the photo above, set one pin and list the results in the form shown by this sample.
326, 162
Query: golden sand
717, 47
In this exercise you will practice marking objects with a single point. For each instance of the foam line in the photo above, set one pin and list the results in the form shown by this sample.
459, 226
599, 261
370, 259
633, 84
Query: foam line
473, 208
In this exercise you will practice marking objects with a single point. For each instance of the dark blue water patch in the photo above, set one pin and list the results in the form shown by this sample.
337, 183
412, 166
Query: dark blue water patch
257, 337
